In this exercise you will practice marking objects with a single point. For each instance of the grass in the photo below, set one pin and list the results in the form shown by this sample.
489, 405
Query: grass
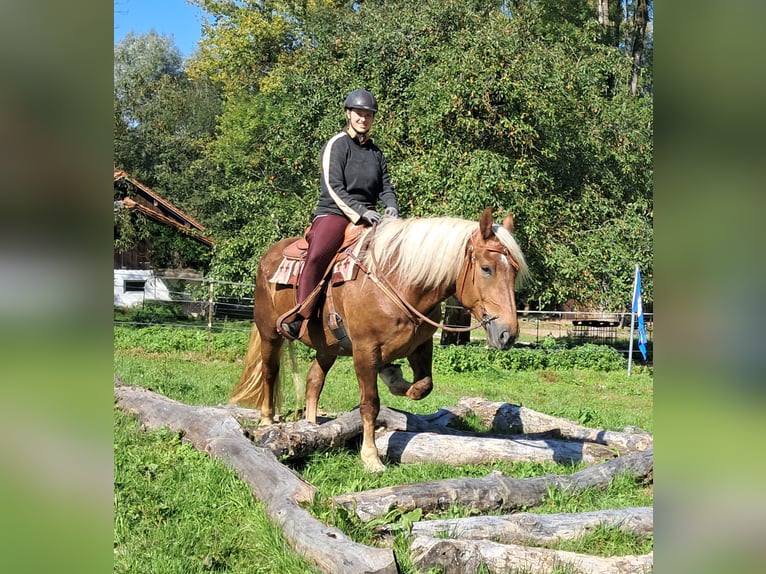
179, 511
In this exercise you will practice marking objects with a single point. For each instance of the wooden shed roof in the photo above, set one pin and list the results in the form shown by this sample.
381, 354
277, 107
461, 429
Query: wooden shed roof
153, 205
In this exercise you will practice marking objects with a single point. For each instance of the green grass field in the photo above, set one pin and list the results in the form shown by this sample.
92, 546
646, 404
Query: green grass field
179, 511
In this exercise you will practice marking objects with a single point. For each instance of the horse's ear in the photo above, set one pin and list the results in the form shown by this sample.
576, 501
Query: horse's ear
508, 222
485, 224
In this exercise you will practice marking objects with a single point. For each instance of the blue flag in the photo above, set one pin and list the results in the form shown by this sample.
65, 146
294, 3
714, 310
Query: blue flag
638, 310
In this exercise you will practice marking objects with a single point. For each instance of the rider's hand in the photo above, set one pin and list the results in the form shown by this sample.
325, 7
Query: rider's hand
371, 216
391, 212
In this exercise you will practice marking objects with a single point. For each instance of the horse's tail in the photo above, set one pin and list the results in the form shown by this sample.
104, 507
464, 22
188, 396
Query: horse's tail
249, 389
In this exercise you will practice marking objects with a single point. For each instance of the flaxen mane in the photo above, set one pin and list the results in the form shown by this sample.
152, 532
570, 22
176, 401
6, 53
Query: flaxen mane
429, 252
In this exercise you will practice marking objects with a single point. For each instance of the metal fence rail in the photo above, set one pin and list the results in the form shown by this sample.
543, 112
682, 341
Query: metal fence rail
208, 303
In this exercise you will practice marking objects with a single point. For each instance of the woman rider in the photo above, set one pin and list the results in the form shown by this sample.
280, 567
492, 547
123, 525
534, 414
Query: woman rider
353, 179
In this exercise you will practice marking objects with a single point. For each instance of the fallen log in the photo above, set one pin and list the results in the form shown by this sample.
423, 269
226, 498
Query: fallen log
216, 432
515, 419
446, 417
433, 442
242, 414
490, 493
459, 556
299, 439
393, 419
412, 448
538, 529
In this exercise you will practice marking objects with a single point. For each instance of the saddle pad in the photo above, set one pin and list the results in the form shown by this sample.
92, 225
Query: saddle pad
345, 269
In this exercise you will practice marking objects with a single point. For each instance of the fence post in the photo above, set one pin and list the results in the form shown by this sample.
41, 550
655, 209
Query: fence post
210, 306
632, 320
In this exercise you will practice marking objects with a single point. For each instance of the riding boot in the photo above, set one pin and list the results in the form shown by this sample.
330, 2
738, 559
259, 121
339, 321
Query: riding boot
293, 329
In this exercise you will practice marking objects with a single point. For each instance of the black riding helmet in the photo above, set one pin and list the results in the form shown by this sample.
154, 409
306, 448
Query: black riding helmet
361, 99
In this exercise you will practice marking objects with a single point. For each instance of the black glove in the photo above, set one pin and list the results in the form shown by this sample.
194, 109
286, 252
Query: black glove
391, 212
371, 216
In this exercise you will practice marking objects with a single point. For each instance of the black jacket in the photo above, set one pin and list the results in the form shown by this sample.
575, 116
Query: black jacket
353, 177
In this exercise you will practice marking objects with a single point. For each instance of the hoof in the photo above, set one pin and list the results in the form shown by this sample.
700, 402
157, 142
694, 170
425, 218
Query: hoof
420, 390
374, 466
265, 421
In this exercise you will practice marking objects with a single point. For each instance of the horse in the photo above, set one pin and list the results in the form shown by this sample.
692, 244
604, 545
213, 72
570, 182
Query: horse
390, 311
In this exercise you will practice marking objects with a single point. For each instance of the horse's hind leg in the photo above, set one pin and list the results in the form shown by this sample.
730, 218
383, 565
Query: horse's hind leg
315, 383
271, 353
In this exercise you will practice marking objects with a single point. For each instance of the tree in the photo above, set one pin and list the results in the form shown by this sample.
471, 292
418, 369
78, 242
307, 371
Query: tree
241, 42
521, 106
163, 119
640, 22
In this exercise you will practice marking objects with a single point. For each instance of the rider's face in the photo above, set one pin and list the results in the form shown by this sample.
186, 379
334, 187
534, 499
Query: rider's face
360, 120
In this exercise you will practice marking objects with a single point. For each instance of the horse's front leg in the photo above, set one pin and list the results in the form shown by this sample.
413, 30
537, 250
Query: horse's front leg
315, 382
420, 361
369, 407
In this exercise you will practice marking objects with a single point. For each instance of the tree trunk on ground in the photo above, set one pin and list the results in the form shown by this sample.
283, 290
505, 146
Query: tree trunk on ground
299, 439
459, 556
214, 431
413, 438
416, 439
504, 417
494, 492
537, 529
413, 448
437, 422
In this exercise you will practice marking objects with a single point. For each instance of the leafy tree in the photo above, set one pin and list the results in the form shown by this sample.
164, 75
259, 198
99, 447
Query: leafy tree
163, 119
525, 106
241, 42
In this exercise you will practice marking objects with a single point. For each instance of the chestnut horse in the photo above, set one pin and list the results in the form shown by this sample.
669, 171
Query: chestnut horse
390, 311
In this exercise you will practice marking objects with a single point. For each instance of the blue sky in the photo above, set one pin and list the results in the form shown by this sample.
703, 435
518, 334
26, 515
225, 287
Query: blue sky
175, 18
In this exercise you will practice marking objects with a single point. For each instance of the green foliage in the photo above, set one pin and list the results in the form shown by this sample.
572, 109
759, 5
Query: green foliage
169, 249
231, 343
128, 230
477, 109
241, 43
522, 360
162, 121
156, 312
520, 106
551, 355
460, 358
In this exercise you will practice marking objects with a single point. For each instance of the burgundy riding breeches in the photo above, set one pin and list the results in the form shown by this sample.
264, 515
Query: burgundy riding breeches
324, 238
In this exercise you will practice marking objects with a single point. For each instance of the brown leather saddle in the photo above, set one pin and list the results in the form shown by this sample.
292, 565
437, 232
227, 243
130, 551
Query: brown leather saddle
344, 268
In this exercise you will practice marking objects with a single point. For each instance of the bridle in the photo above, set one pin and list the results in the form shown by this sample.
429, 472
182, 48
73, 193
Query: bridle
469, 267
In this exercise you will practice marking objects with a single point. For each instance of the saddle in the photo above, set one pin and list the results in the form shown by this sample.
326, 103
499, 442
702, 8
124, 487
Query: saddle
344, 269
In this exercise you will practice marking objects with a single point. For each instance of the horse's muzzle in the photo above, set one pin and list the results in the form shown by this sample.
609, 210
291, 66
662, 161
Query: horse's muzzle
500, 336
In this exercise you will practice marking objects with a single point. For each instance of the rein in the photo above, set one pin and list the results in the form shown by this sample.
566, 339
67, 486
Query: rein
409, 309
